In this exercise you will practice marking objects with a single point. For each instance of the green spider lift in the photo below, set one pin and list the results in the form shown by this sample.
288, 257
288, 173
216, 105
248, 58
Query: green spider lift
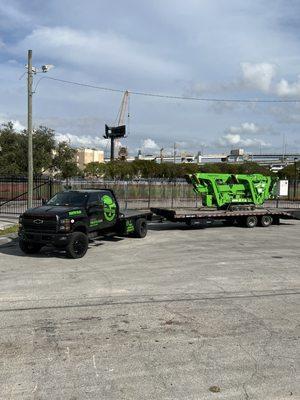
227, 190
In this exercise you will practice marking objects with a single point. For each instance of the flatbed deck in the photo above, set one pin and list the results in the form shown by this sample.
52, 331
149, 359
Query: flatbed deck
125, 214
188, 214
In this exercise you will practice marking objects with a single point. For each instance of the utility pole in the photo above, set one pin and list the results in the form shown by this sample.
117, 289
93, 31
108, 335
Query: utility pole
29, 130
112, 148
174, 152
161, 155
295, 177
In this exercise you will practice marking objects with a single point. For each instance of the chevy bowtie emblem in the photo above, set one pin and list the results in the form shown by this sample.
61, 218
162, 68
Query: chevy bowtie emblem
38, 221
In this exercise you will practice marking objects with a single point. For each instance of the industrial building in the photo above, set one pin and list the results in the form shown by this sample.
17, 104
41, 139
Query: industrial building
86, 156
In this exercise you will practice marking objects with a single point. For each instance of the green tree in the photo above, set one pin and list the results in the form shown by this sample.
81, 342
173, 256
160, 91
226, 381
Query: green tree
289, 172
12, 151
64, 164
95, 169
43, 145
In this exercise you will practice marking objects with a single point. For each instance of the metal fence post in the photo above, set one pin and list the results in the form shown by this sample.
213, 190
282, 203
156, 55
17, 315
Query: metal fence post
50, 188
149, 192
125, 193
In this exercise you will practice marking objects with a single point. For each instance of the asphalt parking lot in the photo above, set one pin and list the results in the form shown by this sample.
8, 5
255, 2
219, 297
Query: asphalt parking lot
182, 314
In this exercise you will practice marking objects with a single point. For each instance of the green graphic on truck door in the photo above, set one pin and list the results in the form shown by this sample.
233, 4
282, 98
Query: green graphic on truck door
129, 226
109, 208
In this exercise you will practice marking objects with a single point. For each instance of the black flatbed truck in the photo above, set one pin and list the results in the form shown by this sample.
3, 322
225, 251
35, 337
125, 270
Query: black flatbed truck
71, 218
248, 217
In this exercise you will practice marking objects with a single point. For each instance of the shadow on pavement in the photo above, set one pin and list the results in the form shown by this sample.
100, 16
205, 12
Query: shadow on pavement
11, 247
163, 226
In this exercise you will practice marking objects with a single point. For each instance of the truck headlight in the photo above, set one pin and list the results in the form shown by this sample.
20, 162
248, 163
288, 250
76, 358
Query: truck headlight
64, 225
20, 222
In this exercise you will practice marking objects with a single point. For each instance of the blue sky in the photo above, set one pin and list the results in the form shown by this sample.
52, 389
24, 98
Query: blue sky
204, 48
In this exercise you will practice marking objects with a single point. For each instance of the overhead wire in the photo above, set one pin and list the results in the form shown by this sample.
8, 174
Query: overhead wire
174, 97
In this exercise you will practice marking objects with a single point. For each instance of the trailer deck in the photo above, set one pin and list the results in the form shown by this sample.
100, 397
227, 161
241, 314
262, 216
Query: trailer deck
192, 214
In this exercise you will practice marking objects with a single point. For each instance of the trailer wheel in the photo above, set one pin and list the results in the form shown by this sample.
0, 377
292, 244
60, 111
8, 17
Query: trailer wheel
78, 245
140, 228
29, 247
251, 221
265, 221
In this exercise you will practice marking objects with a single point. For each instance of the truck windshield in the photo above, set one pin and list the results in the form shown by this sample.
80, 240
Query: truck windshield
68, 199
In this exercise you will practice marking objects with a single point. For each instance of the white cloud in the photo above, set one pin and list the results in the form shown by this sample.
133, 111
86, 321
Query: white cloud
284, 88
16, 123
258, 76
236, 140
18, 126
82, 140
149, 144
245, 128
94, 50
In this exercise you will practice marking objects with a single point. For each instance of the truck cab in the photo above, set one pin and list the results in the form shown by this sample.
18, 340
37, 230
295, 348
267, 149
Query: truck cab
69, 219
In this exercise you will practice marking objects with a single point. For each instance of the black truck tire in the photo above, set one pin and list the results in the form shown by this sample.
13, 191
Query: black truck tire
140, 228
251, 221
266, 220
29, 247
78, 245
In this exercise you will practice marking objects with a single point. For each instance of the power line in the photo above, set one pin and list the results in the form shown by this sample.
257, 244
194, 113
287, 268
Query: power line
167, 96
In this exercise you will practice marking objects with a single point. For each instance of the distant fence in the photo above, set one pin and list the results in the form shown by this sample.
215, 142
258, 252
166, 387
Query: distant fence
13, 193
131, 194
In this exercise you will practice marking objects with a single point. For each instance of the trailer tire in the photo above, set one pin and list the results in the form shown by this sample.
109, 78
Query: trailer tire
251, 221
265, 220
29, 247
78, 245
140, 228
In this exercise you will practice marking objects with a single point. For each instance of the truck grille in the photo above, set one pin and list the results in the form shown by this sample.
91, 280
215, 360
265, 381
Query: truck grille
40, 223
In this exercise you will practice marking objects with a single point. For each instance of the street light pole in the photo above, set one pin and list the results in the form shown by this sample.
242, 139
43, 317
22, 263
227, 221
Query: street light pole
174, 154
29, 130
295, 177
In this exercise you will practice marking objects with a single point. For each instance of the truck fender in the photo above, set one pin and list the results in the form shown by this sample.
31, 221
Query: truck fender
80, 227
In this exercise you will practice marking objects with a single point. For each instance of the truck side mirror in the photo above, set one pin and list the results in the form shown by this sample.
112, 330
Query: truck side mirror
44, 201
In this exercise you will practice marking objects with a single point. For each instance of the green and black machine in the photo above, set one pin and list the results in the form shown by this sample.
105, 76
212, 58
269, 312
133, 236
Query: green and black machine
226, 190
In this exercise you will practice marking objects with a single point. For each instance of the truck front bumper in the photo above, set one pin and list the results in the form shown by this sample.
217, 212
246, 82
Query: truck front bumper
55, 239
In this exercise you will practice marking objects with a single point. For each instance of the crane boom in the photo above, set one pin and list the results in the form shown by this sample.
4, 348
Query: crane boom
123, 108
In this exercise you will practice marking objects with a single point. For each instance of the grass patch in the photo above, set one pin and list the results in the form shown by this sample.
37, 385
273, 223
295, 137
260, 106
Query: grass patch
8, 230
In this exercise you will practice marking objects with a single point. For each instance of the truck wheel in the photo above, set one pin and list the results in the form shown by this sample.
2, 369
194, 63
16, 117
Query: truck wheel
78, 245
29, 247
140, 228
265, 221
251, 221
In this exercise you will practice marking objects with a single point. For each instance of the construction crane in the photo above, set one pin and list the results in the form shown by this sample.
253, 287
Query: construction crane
122, 153
118, 131
123, 108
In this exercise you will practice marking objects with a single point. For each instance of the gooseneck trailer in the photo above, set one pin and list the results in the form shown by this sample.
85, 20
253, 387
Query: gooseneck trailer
232, 199
248, 218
